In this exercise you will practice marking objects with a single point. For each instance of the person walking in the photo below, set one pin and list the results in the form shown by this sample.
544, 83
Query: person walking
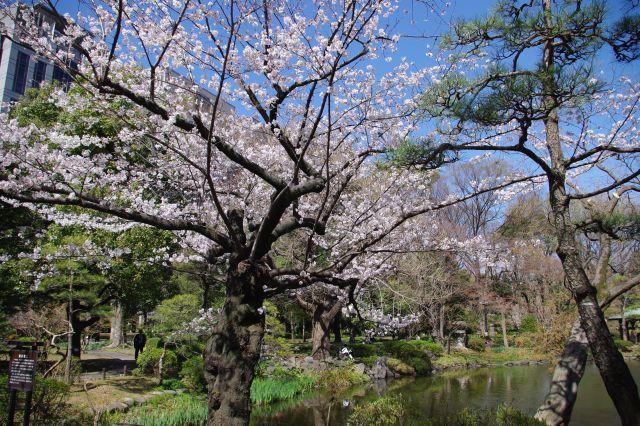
139, 340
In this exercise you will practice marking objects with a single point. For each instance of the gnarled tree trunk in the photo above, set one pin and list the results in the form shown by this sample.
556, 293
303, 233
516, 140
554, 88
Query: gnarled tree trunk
234, 348
320, 345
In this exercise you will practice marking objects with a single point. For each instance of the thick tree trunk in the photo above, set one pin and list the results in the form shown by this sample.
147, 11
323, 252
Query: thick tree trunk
322, 317
116, 333
79, 326
320, 344
234, 347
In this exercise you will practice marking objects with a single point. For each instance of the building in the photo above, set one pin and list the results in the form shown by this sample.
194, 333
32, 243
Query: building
21, 67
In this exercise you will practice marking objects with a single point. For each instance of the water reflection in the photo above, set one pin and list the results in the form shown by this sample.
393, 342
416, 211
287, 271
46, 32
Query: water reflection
522, 387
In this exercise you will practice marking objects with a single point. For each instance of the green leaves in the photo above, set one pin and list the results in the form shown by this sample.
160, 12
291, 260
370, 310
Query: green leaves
422, 153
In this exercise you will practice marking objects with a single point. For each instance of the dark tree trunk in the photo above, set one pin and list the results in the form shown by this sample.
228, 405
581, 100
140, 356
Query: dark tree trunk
234, 347
79, 326
335, 328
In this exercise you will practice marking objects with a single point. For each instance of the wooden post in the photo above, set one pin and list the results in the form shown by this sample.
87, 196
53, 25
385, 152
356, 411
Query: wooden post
104, 374
13, 396
27, 409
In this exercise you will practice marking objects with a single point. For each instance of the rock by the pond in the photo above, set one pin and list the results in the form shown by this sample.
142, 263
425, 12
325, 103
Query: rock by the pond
380, 369
359, 368
128, 401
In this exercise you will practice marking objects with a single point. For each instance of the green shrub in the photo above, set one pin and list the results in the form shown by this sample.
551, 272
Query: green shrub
411, 352
338, 378
385, 411
400, 367
415, 353
189, 348
428, 345
369, 360
172, 384
153, 342
529, 324
623, 345
363, 350
149, 363
476, 343
192, 374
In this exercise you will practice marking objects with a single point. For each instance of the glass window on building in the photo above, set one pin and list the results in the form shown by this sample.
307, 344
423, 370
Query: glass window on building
20, 75
39, 73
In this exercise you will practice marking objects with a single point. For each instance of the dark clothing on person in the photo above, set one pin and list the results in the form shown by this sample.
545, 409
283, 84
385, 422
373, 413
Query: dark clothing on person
139, 340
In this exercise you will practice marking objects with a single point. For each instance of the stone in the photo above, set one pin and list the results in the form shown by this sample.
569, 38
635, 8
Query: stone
116, 406
170, 392
380, 369
359, 368
128, 401
139, 399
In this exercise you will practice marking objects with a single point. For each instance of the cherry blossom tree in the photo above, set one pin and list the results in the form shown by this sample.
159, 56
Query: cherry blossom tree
298, 108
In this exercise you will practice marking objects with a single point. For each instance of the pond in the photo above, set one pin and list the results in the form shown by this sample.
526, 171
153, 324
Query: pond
522, 387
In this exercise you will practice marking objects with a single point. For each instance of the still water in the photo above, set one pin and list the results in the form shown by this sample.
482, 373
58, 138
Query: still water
522, 387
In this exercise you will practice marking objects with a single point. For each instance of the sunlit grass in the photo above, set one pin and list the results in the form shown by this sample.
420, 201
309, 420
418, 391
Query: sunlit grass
267, 390
173, 410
